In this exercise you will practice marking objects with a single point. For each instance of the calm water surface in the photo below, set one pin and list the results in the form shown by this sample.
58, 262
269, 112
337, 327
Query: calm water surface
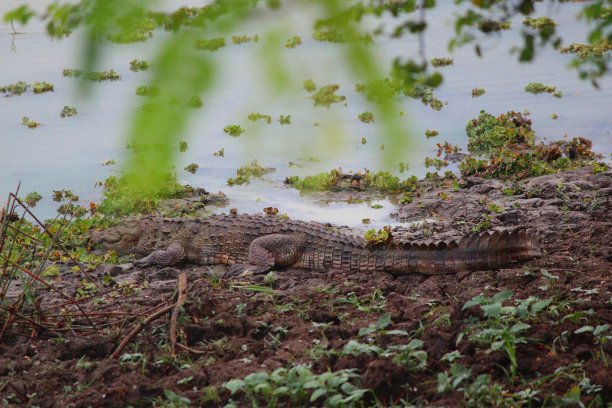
68, 153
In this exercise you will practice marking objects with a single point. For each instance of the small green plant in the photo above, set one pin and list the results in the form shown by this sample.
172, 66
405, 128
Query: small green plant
293, 41
31, 124
68, 111
183, 146
477, 92
382, 236
503, 329
366, 117
220, 153
171, 400
299, 386
233, 130
599, 167
138, 65
380, 328
375, 302
442, 62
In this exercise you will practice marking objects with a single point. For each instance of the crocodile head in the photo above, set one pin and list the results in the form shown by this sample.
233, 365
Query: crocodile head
121, 238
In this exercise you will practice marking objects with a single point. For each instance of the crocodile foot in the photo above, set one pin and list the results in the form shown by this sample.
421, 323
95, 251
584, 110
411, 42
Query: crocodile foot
237, 270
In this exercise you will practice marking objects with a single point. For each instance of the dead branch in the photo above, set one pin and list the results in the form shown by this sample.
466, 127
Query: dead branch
182, 298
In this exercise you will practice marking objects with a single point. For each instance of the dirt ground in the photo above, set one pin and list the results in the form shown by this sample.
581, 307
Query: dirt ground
229, 329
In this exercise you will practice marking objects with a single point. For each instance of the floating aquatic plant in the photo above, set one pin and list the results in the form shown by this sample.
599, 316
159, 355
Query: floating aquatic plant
137, 65
246, 172
477, 92
257, 116
538, 88
42, 87
326, 95
233, 130
293, 41
192, 168
241, 39
212, 44
366, 117
431, 133
442, 62
32, 124
68, 111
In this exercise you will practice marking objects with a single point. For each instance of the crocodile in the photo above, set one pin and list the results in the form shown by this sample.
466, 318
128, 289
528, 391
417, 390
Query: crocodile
257, 243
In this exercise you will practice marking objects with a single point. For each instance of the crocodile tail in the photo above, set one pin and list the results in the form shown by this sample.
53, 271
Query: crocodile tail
484, 251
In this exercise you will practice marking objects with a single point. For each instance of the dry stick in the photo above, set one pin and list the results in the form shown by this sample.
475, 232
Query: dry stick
182, 287
139, 327
191, 350
182, 297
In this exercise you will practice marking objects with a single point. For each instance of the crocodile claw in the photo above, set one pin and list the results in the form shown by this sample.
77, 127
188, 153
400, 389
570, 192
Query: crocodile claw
242, 270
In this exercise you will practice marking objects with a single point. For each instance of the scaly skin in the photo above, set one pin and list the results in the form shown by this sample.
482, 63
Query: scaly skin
257, 243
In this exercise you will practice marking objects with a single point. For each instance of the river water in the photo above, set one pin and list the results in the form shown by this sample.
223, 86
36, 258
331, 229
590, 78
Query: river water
68, 153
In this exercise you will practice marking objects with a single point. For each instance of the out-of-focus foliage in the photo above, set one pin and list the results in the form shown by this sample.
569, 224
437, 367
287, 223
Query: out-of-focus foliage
182, 72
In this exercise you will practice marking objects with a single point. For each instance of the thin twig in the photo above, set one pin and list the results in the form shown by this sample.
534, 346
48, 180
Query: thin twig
182, 297
139, 327
191, 350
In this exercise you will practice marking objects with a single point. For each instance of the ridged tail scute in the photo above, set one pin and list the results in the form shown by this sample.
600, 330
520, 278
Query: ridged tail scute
484, 251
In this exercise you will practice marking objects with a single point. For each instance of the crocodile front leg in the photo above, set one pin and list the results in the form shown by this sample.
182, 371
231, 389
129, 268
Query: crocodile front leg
269, 251
172, 255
